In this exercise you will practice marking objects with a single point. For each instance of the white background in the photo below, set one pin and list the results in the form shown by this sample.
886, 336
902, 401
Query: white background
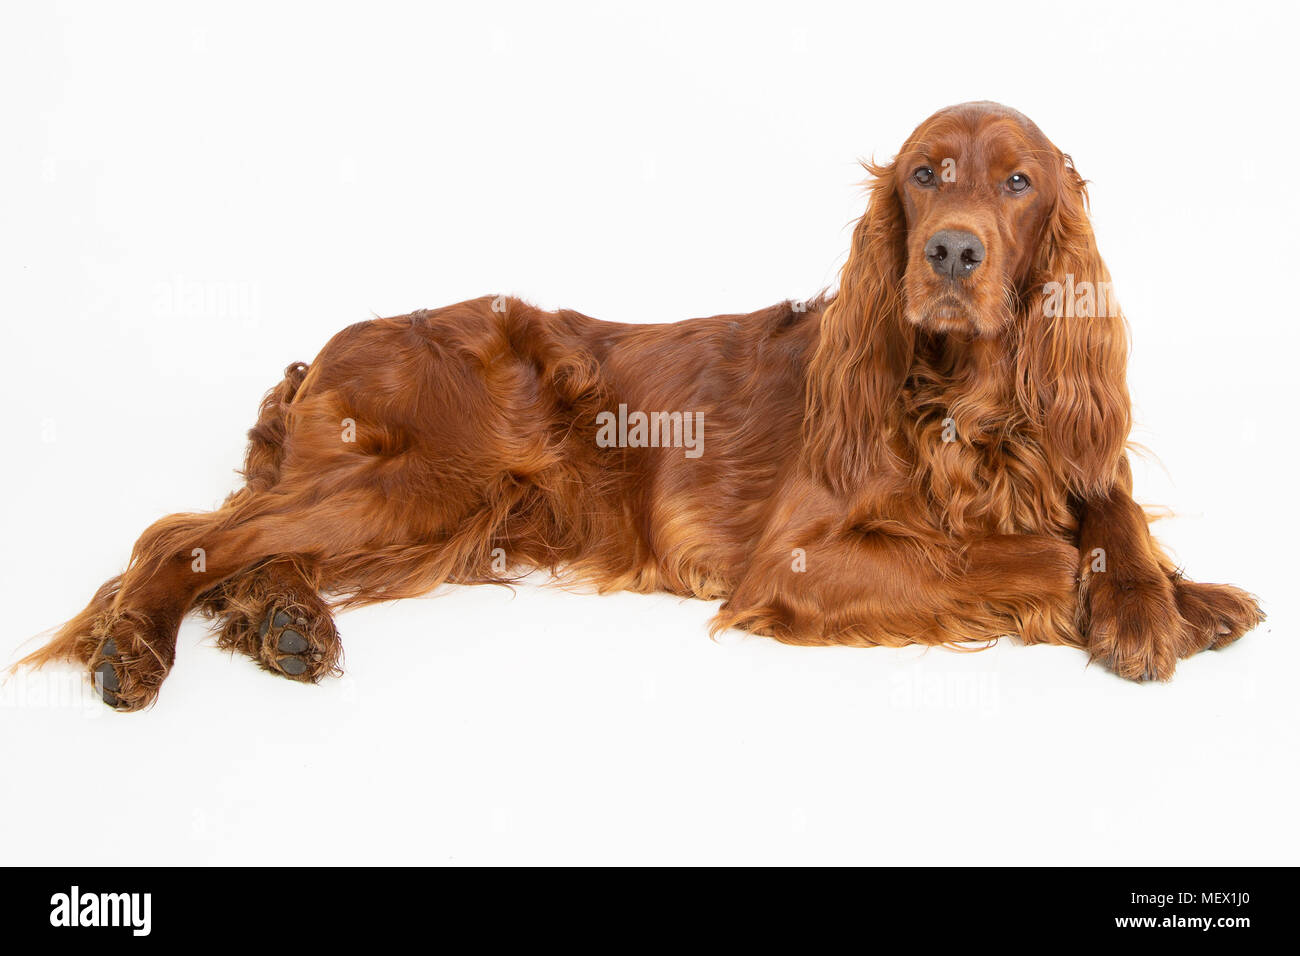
191, 199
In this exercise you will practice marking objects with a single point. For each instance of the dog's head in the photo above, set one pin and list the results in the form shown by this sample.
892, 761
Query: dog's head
967, 230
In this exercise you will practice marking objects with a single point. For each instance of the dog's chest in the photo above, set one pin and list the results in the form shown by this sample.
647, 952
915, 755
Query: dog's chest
987, 475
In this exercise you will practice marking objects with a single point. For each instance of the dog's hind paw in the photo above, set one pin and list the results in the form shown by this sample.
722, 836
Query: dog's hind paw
291, 640
285, 647
126, 665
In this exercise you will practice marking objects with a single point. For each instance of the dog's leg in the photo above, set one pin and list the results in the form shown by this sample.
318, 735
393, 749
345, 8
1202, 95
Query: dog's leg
874, 589
1140, 615
274, 613
127, 635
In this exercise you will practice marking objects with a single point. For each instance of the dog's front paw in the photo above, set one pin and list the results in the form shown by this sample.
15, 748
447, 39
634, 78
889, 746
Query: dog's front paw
1133, 625
1215, 615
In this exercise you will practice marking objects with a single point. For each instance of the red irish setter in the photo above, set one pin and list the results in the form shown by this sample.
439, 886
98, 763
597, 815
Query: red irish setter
934, 454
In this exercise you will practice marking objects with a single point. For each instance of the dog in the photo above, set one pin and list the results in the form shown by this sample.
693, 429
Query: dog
935, 453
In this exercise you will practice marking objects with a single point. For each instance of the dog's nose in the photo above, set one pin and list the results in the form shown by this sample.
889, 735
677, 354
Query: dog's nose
954, 253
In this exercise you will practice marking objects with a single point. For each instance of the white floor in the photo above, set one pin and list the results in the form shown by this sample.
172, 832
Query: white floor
482, 727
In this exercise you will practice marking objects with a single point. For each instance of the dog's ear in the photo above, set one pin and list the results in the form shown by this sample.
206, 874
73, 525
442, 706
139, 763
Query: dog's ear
1074, 346
864, 348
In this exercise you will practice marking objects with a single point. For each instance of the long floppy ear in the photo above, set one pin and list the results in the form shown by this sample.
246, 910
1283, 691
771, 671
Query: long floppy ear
864, 348
1074, 347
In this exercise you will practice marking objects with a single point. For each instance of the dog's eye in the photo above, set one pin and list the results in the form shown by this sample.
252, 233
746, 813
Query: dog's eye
1017, 183
923, 175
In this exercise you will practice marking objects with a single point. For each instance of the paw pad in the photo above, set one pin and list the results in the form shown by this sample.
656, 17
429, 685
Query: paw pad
109, 683
289, 651
291, 642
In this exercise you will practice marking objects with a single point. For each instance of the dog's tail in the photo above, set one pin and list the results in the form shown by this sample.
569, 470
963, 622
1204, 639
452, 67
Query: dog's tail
266, 439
